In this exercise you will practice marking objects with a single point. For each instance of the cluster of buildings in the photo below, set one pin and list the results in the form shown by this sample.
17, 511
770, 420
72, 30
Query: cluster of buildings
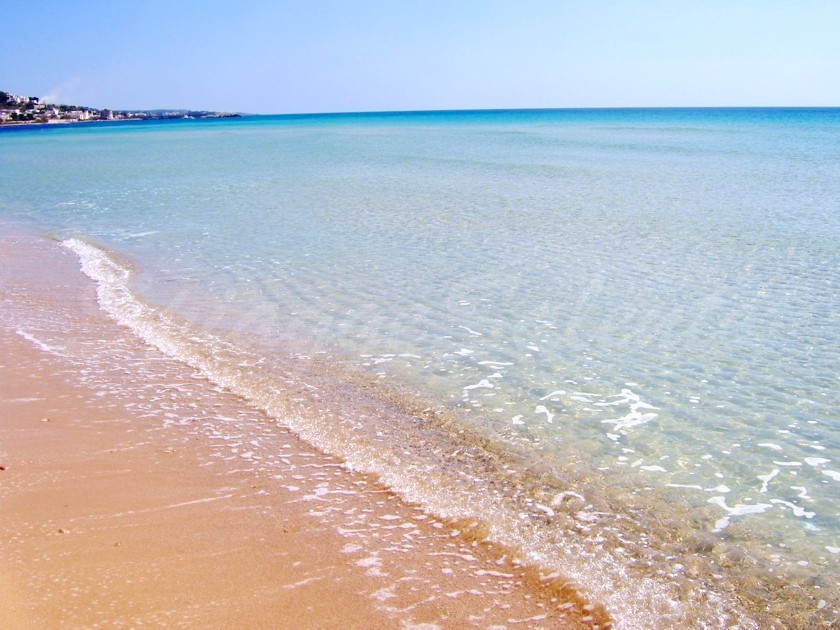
18, 110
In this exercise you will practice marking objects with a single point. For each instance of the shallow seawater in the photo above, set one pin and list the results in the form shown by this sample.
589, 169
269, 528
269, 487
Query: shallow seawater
613, 335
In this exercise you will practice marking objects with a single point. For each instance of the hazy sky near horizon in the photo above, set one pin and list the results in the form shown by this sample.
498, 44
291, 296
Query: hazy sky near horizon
289, 56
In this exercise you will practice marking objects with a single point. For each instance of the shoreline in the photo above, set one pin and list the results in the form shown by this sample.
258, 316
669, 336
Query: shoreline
246, 523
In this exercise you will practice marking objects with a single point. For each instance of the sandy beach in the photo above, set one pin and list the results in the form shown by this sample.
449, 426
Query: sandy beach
133, 491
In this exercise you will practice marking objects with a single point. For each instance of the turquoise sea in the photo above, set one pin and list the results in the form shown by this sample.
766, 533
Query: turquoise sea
613, 335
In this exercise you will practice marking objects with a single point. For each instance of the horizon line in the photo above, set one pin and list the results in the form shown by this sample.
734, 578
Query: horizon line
530, 109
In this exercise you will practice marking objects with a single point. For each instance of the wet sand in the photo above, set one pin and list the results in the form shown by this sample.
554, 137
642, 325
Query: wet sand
133, 491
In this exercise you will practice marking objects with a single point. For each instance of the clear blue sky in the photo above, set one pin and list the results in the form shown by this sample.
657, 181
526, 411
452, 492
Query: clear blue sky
286, 56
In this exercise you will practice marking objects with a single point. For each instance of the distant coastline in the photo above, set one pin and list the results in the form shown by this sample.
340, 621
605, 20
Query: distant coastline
29, 110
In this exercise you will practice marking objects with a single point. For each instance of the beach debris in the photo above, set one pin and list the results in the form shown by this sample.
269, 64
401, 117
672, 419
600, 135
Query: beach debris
46, 419
2, 468
61, 530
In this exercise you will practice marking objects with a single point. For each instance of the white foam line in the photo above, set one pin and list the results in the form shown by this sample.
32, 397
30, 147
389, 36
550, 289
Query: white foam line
43, 346
632, 419
797, 510
803, 492
548, 511
561, 497
816, 461
484, 383
169, 507
302, 582
721, 489
498, 574
775, 447
559, 392
548, 415
738, 510
529, 619
462, 556
766, 479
